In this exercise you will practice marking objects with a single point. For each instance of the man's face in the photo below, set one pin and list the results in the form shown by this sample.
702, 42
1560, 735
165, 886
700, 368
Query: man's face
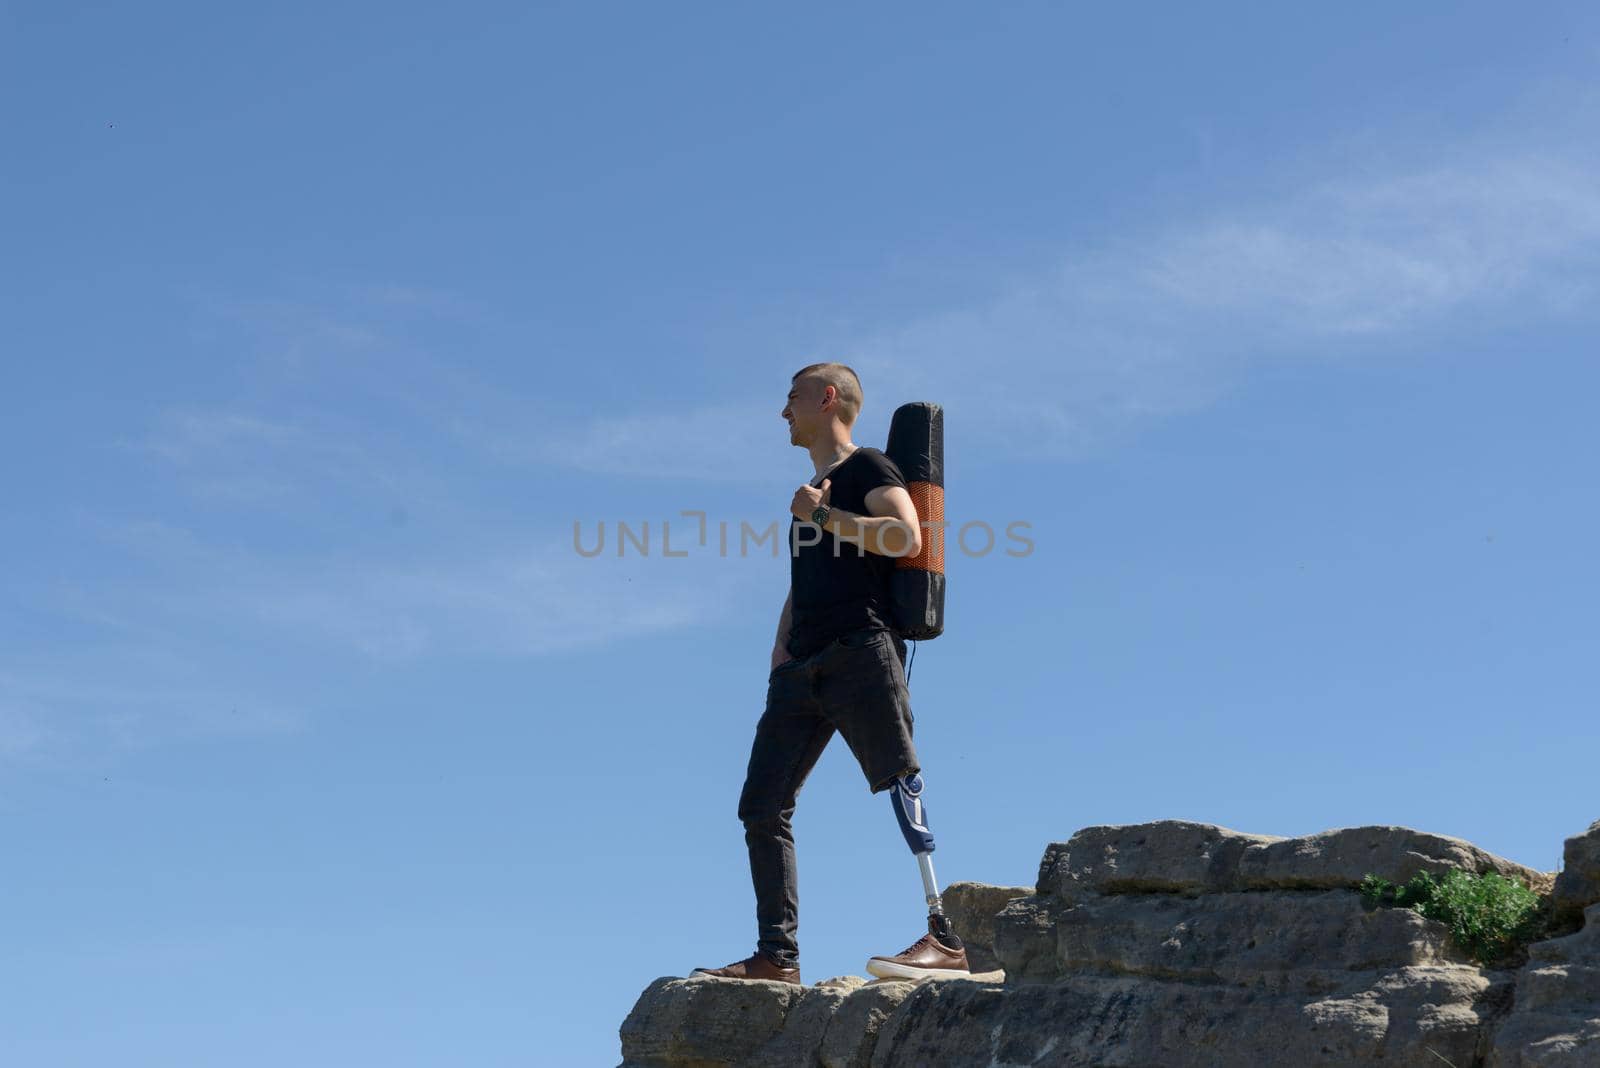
803, 409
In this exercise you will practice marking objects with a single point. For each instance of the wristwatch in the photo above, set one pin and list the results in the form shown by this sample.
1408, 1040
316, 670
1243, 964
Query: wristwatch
819, 515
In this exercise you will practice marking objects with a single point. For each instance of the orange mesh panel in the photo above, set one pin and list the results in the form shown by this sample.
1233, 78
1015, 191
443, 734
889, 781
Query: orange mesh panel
929, 500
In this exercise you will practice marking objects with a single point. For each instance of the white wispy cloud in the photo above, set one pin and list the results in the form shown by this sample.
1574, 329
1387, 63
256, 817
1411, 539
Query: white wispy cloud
293, 334
537, 598
1166, 321
726, 441
188, 436
1384, 254
246, 458
73, 708
518, 604
147, 671
22, 729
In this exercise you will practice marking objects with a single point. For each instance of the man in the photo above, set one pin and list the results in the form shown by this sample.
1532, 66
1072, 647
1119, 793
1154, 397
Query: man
837, 665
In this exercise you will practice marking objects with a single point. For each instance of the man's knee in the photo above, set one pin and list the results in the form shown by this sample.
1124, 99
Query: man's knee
760, 812
761, 825
888, 784
905, 793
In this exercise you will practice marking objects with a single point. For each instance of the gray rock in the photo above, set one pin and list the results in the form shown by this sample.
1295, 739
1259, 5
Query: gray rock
1581, 947
1169, 856
972, 908
1547, 1040
1556, 1019
1341, 858
853, 1035
1578, 885
1025, 938
1179, 857
702, 1022
1559, 988
1179, 945
1276, 940
1410, 1017
802, 1034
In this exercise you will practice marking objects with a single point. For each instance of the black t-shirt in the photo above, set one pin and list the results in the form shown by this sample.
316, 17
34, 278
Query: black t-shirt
837, 586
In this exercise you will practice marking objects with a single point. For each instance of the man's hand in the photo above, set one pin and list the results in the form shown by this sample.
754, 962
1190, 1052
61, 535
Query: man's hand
780, 641
808, 499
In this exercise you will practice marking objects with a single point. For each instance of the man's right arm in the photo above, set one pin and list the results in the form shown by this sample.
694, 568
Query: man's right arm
780, 651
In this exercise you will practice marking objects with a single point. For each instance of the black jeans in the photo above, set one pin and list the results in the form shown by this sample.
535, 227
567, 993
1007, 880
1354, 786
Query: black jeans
855, 685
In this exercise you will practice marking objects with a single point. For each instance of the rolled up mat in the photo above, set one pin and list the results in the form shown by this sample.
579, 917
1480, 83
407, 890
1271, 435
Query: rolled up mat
916, 586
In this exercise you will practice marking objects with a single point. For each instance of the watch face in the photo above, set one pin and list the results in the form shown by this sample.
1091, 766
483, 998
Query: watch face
819, 516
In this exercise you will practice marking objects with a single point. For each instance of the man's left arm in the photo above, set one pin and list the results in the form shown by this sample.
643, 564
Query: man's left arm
890, 523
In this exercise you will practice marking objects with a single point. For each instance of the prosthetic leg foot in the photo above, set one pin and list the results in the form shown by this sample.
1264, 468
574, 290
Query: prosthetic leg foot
926, 958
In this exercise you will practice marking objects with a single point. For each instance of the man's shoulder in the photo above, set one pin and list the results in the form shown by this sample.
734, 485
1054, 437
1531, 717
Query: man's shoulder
878, 468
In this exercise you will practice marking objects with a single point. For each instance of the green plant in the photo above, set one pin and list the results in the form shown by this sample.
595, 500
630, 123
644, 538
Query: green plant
1489, 916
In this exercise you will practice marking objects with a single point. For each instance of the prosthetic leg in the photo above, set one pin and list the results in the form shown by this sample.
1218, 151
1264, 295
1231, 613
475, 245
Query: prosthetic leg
906, 796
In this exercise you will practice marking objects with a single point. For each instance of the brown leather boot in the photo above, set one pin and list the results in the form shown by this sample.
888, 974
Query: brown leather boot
926, 958
755, 966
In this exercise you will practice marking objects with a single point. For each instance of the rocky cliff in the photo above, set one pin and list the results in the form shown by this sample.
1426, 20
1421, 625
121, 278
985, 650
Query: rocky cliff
1175, 944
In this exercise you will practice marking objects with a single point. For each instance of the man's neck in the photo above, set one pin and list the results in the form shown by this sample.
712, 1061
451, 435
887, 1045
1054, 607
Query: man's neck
830, 454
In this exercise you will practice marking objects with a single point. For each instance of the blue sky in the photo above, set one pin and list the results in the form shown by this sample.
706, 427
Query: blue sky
324, 324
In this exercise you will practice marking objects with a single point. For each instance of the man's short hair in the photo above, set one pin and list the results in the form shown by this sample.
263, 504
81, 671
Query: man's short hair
844, 382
